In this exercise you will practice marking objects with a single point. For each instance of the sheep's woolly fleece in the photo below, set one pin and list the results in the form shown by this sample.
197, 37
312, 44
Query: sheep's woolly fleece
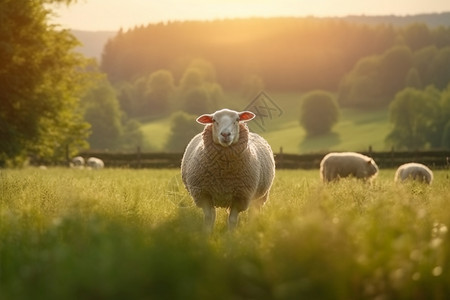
414, 171
337, 165
240, 172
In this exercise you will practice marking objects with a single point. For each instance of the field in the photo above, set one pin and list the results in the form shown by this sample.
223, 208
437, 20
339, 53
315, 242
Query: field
355, 131
135, 234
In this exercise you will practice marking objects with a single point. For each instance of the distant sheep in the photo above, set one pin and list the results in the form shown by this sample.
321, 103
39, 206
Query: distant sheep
414, 171
338, 165
227, 166
95, 163
77, 162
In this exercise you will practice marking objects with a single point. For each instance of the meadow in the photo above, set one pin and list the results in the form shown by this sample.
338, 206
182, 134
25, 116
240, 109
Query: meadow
135, 234
350, 133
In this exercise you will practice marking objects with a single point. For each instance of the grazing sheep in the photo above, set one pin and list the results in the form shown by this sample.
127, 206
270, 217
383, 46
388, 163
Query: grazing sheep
95, 163
77, 162
227, 166
337, 165
414, 171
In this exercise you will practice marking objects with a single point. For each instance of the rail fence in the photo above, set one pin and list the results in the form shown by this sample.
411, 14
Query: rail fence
388, 159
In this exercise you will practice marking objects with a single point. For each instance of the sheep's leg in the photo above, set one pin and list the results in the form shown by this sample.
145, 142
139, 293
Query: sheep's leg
210, 217
233, 218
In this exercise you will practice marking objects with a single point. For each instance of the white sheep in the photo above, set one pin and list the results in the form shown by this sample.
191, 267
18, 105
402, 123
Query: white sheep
227, 166
77, 162
338, 165
95, 163
414, 171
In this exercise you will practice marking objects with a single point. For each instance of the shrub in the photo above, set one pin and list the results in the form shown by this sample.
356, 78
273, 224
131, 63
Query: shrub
319, 112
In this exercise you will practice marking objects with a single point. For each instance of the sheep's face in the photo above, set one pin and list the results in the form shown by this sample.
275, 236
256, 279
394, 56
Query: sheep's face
371, 167
225, 125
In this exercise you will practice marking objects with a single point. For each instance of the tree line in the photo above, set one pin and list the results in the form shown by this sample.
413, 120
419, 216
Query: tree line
287, 53
374, 80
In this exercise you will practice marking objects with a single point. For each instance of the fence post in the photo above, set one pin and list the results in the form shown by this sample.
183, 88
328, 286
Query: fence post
138, 157
392, 157
67, 156
280, 159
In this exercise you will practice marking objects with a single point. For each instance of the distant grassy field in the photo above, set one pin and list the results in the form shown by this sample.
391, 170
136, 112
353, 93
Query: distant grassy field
135, 234
356, 130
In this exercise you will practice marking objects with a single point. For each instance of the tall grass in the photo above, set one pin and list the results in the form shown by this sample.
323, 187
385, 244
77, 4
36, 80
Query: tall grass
135, 234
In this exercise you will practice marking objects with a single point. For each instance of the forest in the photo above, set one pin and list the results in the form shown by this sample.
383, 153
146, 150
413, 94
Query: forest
288, 54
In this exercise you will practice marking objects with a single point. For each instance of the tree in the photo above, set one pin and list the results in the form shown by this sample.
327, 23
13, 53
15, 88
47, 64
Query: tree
358, 88
103, 113
439, 68
191, 79
446, 136
182, 129
149, 95
417, 36
413, 79
198, 91
413, 113
160, 88
375, 79
394, 66
126, 96
319, 112
196, 101
422, 59
206, 69
443, 121
40, 80
132, 136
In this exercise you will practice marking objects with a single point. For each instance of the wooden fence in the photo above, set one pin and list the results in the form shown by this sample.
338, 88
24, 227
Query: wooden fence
388, 159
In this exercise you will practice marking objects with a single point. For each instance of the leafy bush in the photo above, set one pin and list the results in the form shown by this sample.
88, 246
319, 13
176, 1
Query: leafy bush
319, 112
183, 128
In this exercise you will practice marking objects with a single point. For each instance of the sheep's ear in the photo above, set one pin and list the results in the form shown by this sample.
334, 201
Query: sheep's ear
205, 119
369, 161
246, 116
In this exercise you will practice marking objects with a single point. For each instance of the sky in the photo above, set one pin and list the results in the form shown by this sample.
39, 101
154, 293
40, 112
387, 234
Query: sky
111, 15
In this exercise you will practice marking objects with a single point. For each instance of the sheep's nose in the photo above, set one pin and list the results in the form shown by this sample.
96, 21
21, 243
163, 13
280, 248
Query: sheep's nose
225, 134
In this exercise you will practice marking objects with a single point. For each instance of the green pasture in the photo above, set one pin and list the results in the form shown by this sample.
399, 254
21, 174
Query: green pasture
356, 130
135, 234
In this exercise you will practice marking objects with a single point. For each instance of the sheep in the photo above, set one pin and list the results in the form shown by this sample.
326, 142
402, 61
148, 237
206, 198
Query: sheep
414, 171
227, 166
95, 163
77, 162
337, 165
